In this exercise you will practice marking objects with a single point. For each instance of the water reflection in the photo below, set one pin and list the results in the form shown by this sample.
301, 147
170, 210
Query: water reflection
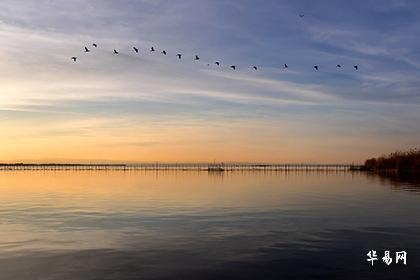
398, 182
189, 225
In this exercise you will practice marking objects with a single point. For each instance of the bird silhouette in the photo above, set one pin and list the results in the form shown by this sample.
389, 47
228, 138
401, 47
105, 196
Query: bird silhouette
301, 15
234, 67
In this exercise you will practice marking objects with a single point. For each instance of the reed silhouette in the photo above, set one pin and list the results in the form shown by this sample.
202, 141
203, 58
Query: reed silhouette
399, 162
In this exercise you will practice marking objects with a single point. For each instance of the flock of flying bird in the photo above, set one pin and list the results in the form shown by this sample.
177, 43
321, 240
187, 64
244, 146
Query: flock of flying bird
164, 52
234, 67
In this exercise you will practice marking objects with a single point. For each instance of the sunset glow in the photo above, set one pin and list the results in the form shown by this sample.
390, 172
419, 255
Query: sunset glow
150, 107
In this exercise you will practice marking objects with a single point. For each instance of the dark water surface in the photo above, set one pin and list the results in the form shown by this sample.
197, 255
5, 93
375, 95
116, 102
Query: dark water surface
198, 225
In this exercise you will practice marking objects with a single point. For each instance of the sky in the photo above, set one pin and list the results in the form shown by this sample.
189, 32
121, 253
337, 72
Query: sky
149, 107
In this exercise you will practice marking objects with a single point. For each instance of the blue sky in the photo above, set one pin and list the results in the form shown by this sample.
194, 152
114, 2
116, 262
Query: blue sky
148, 106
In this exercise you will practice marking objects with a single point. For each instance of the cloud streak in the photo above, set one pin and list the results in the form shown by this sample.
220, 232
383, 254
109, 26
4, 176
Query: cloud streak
123, 98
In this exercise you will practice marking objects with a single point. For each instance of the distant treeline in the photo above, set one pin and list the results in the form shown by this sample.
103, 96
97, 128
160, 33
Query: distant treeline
401, 162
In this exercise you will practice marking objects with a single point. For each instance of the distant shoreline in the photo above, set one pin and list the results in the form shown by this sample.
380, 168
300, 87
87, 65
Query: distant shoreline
211, 167
406, 162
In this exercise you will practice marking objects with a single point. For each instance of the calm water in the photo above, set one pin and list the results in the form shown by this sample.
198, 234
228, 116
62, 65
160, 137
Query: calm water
192, 225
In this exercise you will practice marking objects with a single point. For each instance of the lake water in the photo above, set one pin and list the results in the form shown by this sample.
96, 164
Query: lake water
199, 225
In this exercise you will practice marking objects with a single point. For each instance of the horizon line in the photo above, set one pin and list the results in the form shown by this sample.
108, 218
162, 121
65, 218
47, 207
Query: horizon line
169, 163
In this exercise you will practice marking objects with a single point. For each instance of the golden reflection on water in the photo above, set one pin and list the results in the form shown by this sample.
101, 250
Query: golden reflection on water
91, 224
133, 189
57, 210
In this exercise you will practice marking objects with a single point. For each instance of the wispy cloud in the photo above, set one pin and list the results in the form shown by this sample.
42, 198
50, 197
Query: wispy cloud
142, 100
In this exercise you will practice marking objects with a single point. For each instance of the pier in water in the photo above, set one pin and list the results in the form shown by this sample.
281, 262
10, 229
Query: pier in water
181, 166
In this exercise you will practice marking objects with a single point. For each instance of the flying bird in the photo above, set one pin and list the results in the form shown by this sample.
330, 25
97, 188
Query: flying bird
74, 58
217, 63
316, 67
356, 67
197, 57
286, 66
86, 49
338, 65
136, 49
164, 52
95, 45
115, 51
301, 15
233, 67
152, 49
179, 56
254, 67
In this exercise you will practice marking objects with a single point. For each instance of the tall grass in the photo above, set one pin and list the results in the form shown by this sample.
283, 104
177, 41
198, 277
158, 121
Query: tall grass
401, 162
